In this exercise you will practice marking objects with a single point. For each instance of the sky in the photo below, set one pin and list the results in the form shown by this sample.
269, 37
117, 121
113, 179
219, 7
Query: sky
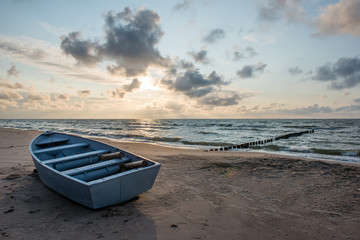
179, 59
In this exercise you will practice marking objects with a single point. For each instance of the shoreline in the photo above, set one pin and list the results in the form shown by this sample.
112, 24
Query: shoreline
311, 157
197, 195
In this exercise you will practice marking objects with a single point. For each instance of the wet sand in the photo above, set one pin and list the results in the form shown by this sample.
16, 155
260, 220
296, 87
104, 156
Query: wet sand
197, 195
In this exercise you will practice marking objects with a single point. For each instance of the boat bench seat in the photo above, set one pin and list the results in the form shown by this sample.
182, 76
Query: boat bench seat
76, 156
63, 147
52, 141
95, 166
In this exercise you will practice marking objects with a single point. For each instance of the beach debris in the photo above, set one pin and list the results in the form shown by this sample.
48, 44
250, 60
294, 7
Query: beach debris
132, 165
13, 176
11, 209
34, 211
261, 142
110, 156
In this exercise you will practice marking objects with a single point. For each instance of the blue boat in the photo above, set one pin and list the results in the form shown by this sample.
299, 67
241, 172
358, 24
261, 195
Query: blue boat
89, 172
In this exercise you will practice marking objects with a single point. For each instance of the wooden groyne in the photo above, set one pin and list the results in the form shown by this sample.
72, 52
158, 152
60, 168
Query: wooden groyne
261, 142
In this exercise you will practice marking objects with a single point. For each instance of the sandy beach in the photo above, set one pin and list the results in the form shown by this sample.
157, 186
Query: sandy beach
197, 195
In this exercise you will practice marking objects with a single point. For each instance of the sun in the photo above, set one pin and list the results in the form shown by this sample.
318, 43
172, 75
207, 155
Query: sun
148, 83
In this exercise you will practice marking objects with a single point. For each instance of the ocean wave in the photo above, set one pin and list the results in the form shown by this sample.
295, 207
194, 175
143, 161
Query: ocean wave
206, 143
301, 127
165, 139
336, 152
206, 133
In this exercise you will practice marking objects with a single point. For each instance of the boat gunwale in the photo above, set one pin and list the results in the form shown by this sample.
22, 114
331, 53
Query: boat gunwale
96, 181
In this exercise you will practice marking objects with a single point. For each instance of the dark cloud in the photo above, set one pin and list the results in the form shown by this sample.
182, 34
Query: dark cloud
120, 92
193, 84
340, 18
186, 65
357, 100
295, 71
344, 73
135, 84
214, 36
84, 51
325, 73
249, 52
221, 99
84, 93
13, 72
129, 43
205, 89
197, 93
249, 71
177, 65
200, 57
192, 79
274, 10
183, 5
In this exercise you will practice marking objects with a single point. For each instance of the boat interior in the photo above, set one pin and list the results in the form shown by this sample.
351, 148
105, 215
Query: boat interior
82, 160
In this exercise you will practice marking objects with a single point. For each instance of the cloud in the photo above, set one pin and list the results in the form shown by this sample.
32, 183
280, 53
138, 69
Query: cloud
197, 93
84, 93
295, 71
357, 100
214, 36
135, 84
50, 59
183, 5
13, 72
84, 51
120, 92
200, 57
274, 10
221, 99
248, 52
344, 73
4, 84
348, 109
52, 29
206, 90
4, 104
130, 43
10, 95
176, 65
193, 84
117, 93
307, 110
39, 97
174, 106
62, 97
340, 18
249, 71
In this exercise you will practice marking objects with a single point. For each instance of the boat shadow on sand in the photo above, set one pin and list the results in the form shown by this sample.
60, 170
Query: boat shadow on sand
29, 208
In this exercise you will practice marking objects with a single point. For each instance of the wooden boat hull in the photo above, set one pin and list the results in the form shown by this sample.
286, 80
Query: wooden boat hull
71, 166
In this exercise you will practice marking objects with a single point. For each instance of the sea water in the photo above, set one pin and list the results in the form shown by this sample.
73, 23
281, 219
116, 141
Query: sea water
333, 139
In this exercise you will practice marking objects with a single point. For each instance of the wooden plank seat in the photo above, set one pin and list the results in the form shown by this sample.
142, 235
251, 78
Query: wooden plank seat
62, 147
52, 141
76, 156
95, 166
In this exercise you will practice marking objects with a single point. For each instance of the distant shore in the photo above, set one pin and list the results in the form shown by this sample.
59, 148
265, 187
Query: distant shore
197, 195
